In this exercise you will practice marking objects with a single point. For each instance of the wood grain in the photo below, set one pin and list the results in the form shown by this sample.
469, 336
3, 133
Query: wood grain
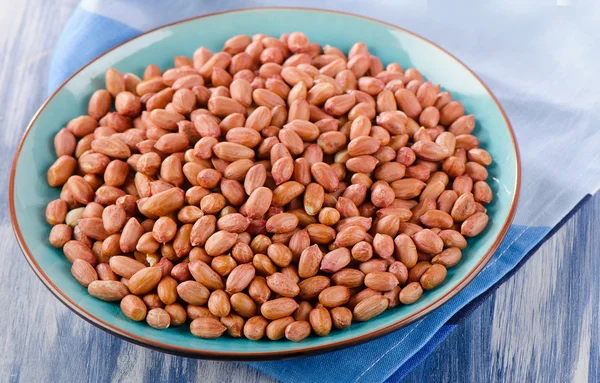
540, 325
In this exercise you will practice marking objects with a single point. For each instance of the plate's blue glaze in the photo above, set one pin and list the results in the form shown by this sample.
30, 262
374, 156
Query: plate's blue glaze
32, 193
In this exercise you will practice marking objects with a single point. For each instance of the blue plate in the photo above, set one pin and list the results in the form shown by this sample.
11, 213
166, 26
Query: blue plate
29, 191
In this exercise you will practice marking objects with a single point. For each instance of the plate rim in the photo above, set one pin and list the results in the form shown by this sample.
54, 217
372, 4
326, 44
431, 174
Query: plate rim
264, 355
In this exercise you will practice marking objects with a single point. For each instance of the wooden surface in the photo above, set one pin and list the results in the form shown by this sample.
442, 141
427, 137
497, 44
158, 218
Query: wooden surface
540, 325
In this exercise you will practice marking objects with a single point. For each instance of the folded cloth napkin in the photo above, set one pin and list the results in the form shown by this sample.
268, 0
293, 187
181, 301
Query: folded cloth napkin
538, 57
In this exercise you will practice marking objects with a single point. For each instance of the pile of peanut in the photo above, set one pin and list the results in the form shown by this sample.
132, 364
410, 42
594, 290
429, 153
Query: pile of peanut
276, 188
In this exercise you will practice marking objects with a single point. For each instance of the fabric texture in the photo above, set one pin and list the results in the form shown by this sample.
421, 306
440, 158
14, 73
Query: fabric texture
538, 57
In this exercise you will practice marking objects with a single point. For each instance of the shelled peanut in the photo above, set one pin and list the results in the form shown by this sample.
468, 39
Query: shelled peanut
274, 189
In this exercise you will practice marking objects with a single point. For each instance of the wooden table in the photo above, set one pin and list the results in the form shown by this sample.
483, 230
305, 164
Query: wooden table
540, 325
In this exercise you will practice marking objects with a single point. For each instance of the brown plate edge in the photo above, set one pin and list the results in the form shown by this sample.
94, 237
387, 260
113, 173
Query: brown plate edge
274, 355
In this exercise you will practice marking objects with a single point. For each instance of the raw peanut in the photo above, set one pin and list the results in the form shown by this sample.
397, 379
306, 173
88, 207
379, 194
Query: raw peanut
233, 223
474, 225
325, 176
382, 195
56, 212
83, 272
450, 112
282, 285
437, 218
408, 103
350, 236
448, 258
331, 142
402, 212
243, 305
93, 228
212, 203
405, 250
110, 291
282, 170
258, 202
430, 151
433, 276
263, 264
400, 271
280, 254
207, 328
258, 290
360, 296
390, 172
61, 170
193, 293
381, 281
276, 329
336, 260
418, 270
482, 192
81, 191
428, 242
181, 242
363, 145
297, 330
223, 264
167, 290
164, 229
476, 171
446, 200
309, 262
362, 251
282, 223
60, 235
218, 303
305, 129
303, 311
195, 312
113, 218
411, 293
311, 287
172, 142
383, 245
320, 321
341, 317
393, 296
64, 143
255, 328
177, 314
407, 188
370, 307
239, 278
220, 242
130, 235
145, 280
282, 195
133, 307
204, 274
463, 208
152, 301
99, 104
278, 308
466, 141
463, 125
77, 250
165, 202
339, 105
334, 296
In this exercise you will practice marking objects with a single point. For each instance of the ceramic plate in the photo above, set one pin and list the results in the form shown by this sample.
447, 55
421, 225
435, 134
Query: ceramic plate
29, 191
